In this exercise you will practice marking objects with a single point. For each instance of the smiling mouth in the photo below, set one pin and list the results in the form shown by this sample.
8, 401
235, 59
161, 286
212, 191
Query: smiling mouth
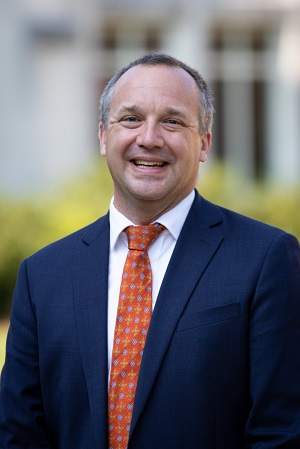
148, 164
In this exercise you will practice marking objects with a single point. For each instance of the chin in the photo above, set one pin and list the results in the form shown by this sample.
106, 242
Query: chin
150, 190
147, 196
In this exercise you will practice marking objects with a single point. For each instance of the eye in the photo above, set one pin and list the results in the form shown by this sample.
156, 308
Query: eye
130, 119
173, 122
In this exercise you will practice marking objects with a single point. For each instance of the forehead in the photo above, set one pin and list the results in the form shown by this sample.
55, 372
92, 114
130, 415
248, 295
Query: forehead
157, 84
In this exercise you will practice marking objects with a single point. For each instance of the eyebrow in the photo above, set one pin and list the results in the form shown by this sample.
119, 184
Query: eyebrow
173, 111
137, 110
132, 109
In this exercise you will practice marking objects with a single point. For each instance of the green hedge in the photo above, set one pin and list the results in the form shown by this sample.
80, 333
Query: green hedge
28, 225
272, 204
31, 224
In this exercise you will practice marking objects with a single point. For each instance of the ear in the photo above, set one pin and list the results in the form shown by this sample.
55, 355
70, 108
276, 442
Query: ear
102, 139
206, 144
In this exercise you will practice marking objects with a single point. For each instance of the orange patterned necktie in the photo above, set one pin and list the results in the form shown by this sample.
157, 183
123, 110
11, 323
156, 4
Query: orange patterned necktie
133, 318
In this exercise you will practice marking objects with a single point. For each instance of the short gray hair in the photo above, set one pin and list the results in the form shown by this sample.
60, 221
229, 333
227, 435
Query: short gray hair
206, 109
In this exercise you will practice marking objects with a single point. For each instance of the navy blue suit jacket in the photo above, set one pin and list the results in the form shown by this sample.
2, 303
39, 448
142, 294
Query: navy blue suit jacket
221, 366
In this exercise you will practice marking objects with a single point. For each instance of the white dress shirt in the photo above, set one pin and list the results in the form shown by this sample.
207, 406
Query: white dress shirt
159, 254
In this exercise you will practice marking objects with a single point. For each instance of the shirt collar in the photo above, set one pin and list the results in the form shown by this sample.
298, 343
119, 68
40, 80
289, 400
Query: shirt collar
173, 220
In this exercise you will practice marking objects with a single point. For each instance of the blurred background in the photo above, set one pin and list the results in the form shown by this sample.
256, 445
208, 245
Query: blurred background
57, 55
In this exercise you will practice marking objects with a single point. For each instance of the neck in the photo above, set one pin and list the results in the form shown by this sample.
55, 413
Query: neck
143, 212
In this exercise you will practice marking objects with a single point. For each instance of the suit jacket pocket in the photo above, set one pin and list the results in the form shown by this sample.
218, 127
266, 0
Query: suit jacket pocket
209, 316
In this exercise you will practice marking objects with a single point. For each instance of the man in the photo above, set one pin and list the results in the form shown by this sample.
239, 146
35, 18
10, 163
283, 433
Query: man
218, 367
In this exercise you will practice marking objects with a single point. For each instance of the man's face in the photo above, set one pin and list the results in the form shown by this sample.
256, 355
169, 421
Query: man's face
152, 141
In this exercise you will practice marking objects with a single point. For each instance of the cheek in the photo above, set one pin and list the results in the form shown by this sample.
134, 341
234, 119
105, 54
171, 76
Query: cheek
191, 162
119, 143
113, 161
189, 154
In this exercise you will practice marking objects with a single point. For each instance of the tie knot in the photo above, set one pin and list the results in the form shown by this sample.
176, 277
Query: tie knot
141, 237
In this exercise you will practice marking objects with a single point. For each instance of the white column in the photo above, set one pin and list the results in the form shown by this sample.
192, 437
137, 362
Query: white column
283, 103
283, 141
15, 99
237, 126
187, 38
49, 115
237, 73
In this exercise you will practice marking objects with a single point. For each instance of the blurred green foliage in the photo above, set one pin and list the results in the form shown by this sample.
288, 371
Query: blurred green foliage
3, 333
273, 204
27, 225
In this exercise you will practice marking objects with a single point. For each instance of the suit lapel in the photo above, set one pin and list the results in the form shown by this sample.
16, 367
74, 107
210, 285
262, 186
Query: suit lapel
90, 281
198, 242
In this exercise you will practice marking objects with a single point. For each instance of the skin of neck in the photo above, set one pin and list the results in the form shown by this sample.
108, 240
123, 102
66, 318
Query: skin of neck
144, 212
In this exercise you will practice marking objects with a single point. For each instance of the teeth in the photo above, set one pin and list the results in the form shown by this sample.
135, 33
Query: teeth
148, 163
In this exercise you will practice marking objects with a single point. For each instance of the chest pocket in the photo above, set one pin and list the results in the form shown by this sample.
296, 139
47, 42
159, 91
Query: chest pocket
209, 316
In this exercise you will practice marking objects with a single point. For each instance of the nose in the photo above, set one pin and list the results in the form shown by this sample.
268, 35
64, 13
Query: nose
150, 136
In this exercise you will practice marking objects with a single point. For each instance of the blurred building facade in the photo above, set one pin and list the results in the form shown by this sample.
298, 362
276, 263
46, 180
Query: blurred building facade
57, 55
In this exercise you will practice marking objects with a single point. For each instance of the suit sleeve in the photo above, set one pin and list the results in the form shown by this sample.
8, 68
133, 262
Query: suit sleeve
274, 348
21, 406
